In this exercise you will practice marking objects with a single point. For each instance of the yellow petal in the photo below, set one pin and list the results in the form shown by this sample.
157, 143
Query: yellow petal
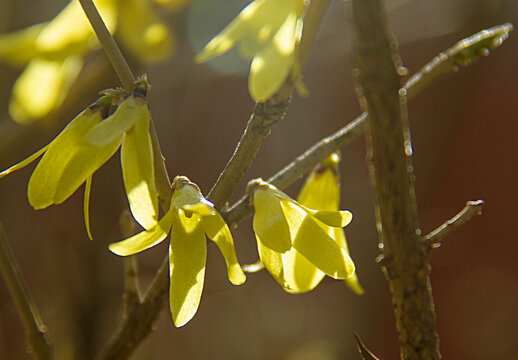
272, 64
42, 87
17, 47
121, 120
139, 173
145, 239
86, 206
315, 244
301, 274
68, 162
272, 261
188, 197
270, 223
352, 282
218, 231
187, 256
144, 33
339, 218
24, 162
71, 33
321, 190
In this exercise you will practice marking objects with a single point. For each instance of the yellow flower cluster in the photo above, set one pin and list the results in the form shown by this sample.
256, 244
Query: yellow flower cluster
53, 53
268, 32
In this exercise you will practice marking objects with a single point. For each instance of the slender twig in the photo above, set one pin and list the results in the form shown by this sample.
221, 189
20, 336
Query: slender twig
472, 209
390, 163
365, 353
446, 61
265, 115
110, 47
25, 306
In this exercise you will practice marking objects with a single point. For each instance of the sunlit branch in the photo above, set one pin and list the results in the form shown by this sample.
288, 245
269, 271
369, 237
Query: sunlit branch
472, 209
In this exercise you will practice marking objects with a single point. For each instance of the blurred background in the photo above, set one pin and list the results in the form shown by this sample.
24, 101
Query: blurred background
465, 142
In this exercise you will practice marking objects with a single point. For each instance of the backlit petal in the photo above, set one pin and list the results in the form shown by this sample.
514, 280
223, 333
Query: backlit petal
270, 223
139, 174
145, 239
272, 261
218, 231
315, 244
272, 64
187, 256
68, 162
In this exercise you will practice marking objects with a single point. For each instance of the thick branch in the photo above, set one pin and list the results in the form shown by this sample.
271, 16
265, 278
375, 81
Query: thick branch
472, 209
27, 311
390, 164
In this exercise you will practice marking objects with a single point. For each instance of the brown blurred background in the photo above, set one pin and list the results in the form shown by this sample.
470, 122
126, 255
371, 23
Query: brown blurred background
465, 140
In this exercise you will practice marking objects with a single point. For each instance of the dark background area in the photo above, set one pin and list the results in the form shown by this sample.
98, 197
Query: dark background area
464, 132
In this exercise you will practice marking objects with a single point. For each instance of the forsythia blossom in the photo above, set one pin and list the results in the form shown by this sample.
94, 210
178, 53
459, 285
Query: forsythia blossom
189, 219
53, 53
281, 224
320, 191
268, 31
86, 143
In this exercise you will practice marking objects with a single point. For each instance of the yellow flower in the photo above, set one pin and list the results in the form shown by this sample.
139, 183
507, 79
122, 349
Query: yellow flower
189, 218
54, 52
282, 225
86, 143
268, 31
320, 191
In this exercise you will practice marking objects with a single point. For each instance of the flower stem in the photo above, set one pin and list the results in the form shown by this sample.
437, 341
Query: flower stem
110, 47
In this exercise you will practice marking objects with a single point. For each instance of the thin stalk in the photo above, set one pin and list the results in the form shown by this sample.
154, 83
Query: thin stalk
39, 348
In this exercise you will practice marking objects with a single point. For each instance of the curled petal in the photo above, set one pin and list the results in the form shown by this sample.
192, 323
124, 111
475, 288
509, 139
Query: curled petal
187, 257
270, 223
339, 218
218, 231
352, 281
188, 197
113, 127
86, 206
145, 239
139, 174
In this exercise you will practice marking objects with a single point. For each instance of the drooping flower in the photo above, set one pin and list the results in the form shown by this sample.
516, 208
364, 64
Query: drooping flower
268, 31
189, 219
53, 53
86, 143
320, 191
282, 224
